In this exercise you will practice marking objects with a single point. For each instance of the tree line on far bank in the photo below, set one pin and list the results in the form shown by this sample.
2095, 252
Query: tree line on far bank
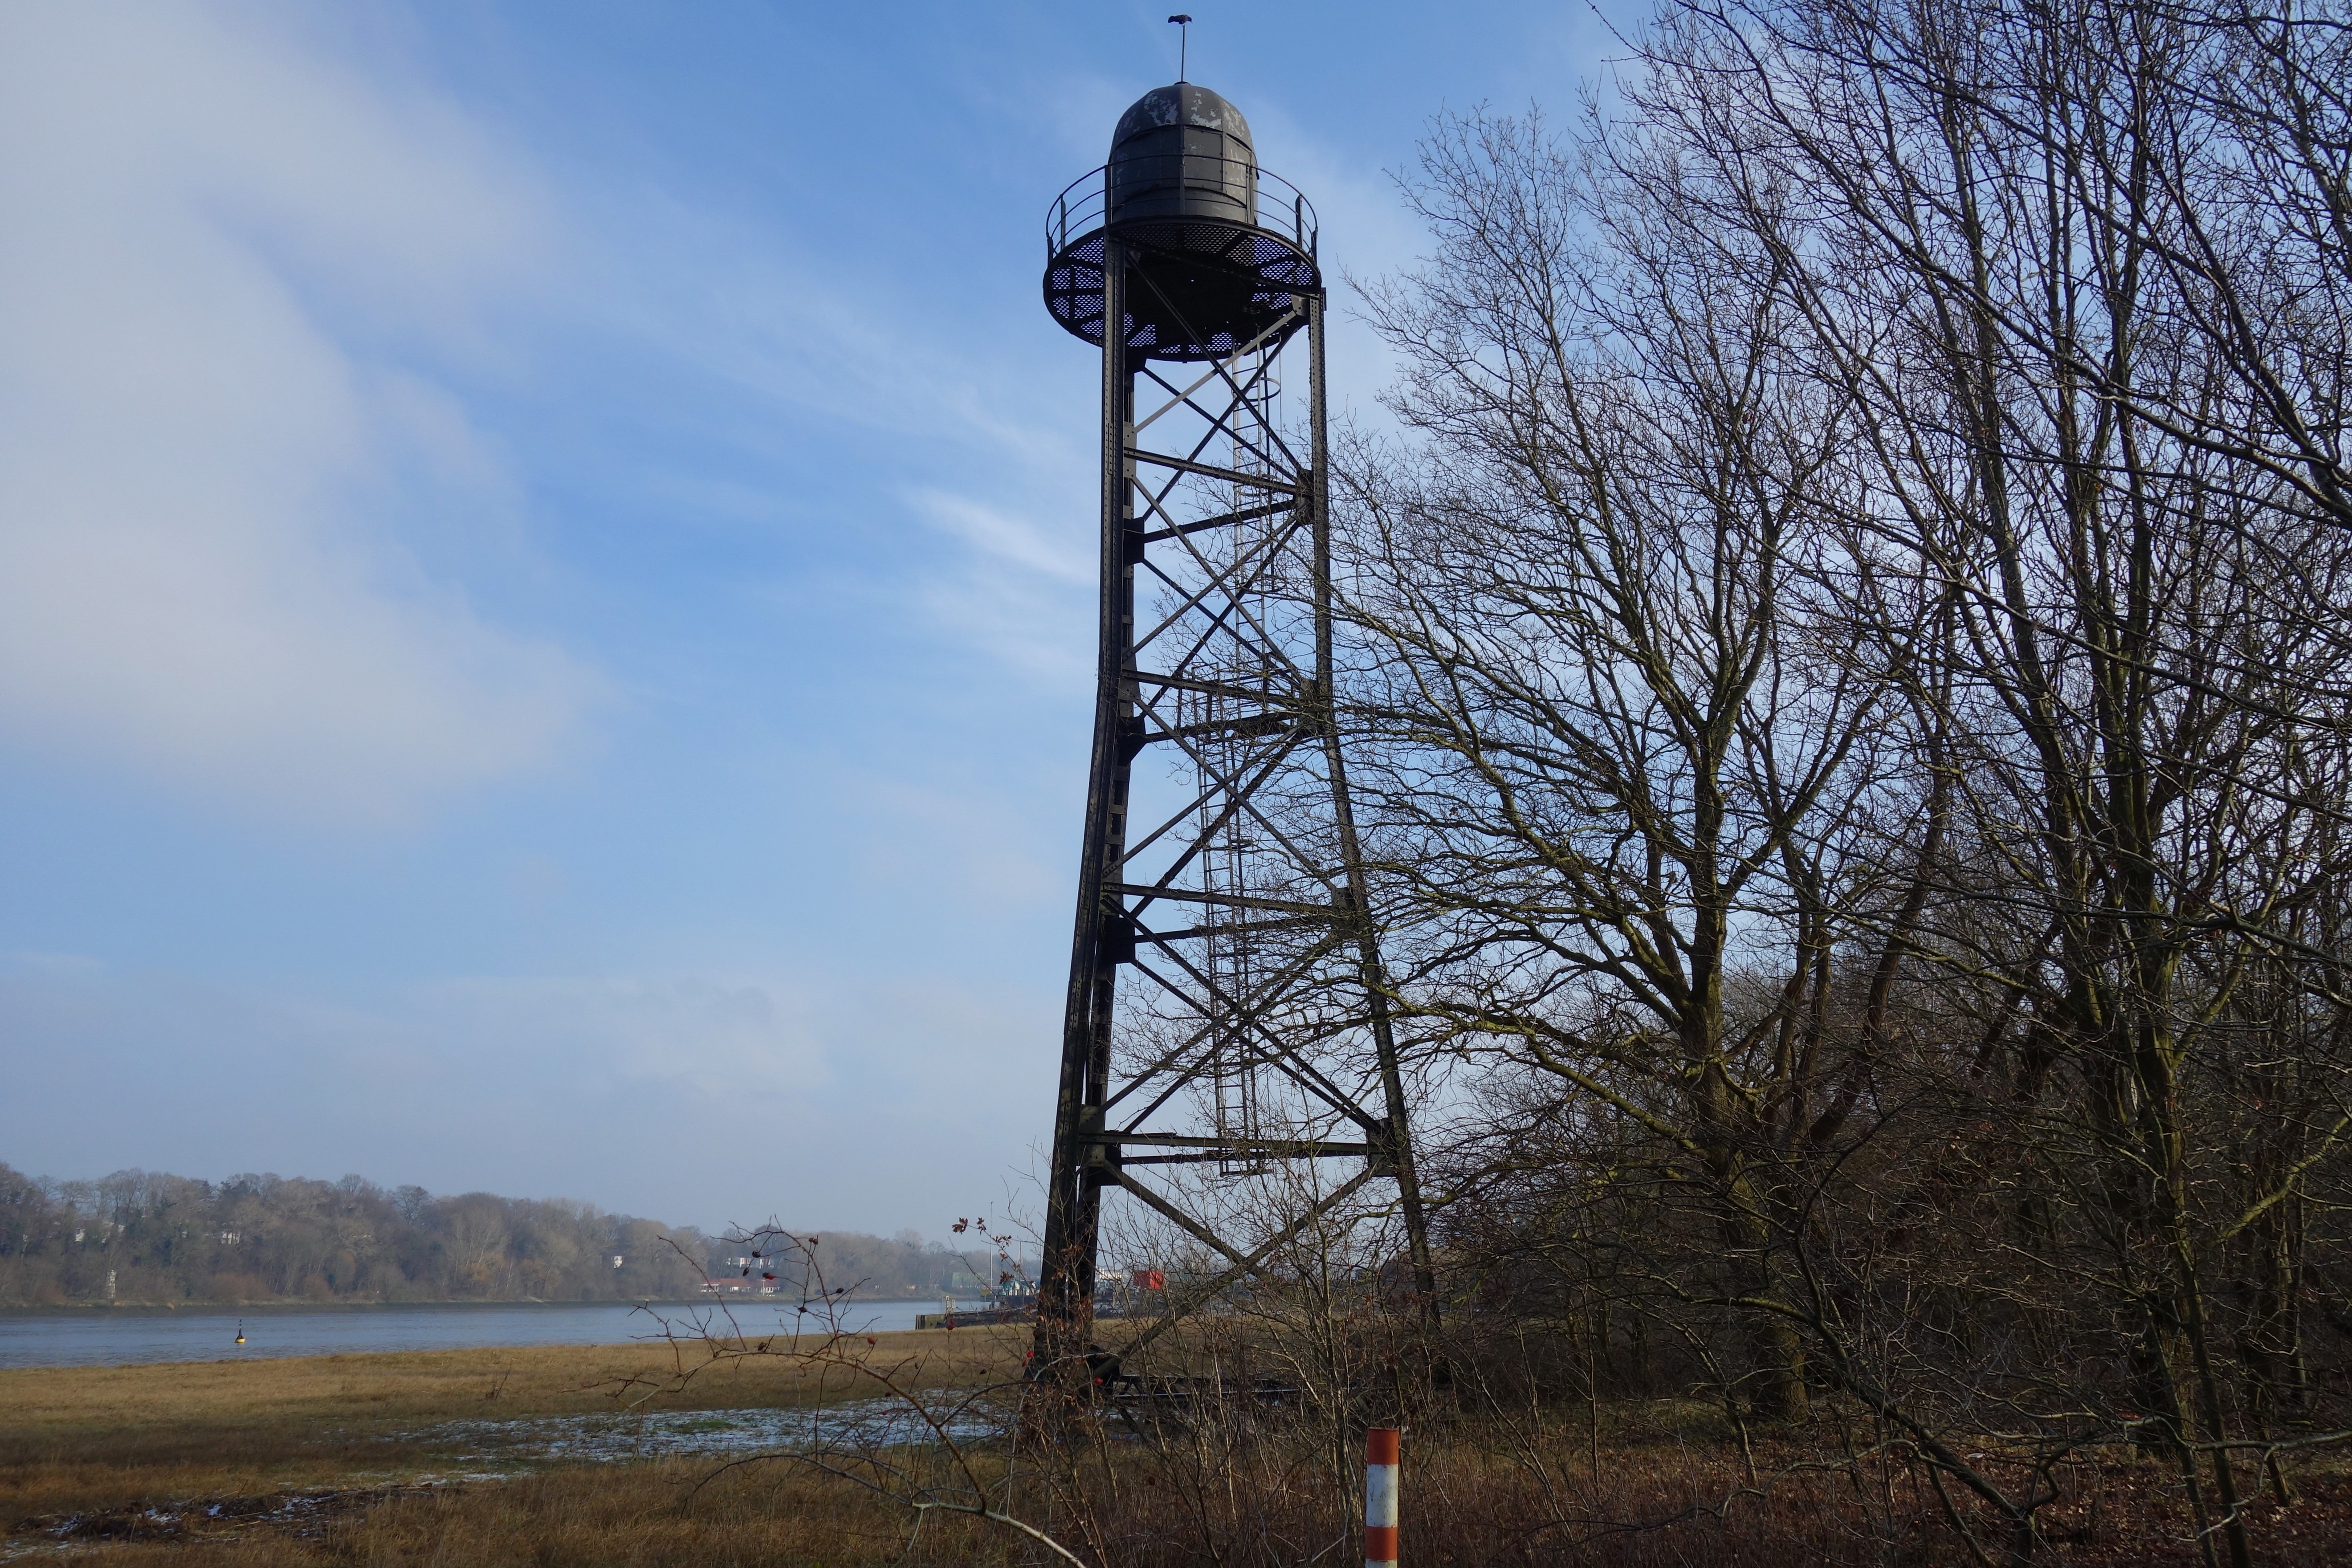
143, 1236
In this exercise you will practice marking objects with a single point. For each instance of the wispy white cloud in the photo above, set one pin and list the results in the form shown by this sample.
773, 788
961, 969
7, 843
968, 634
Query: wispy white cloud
1010, 537
918, 430
224, 257
1016, 597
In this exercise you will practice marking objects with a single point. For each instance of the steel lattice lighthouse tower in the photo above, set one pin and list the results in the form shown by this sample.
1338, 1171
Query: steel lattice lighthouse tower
1228, 1058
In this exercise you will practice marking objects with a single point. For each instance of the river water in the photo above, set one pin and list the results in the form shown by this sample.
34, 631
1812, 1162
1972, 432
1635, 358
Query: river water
121, 1337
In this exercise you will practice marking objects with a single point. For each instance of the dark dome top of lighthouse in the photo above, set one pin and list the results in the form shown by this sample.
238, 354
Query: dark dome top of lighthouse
1205, 266
1181, 104
1182, 152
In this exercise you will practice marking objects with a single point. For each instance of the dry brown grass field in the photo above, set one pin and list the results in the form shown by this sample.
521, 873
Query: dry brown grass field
346, 1460
356, 1436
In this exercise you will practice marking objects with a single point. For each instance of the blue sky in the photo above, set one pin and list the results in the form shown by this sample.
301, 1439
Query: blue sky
544, 572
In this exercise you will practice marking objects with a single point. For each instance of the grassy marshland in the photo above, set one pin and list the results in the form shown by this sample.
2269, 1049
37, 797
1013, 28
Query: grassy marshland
347, 1461
107, 1443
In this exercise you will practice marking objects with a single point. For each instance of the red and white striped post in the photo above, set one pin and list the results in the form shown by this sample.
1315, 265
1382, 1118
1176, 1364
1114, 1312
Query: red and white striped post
1381, 1497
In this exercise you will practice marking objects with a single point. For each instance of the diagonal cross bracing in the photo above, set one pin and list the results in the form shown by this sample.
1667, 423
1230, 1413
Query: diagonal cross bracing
1236, 1037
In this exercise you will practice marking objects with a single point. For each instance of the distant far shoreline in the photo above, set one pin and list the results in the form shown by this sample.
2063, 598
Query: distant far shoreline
270, 1309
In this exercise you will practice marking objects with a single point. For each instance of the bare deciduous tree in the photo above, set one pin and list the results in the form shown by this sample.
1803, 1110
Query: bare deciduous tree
1851, 670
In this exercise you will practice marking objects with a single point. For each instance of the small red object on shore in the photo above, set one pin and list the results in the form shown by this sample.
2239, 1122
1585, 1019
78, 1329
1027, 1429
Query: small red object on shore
1380, 1446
